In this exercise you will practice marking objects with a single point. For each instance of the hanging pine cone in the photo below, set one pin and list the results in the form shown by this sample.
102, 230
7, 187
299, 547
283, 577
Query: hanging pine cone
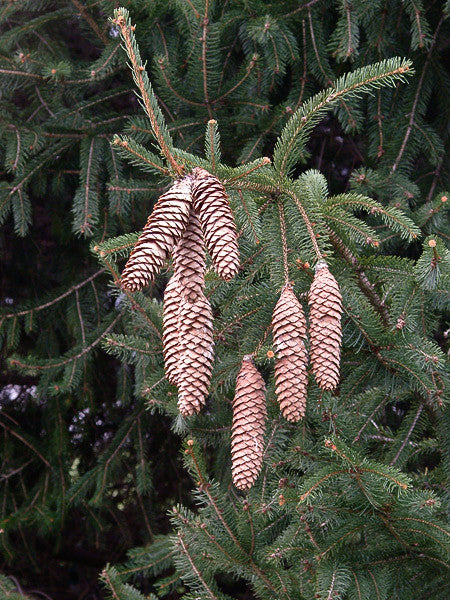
247, 432
291, 378
196, 354
171, 332
213, 208
325, 331
288, 319
291, 383
164, 228
189, 258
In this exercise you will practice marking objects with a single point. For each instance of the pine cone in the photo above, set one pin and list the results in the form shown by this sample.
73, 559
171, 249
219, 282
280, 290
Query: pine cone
171, 329
325, 331
288, 319
291, 378
291, 382
189, 258
164, 228
213, 208
247, 432
196, 354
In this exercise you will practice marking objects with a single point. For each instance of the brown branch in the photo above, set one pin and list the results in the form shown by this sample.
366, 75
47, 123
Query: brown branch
92, 24
203, 58
80, 317
416, 99
284, 242
86, 225
264, 161
125, 144
204, 487
408, 435
239, 83
173, 90
138, 69
358, 435
307, 5
70, 358
57, 299
26, 442
364, 284
305, 66
307, 223
93, 73
194, 568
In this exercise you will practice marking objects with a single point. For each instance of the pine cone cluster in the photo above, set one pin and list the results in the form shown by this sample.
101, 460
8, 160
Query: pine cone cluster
247, 432
199, 201
291, 378
289, 332
195, 211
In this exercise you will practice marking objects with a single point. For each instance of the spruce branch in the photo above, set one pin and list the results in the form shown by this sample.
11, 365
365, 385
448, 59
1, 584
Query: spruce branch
92, 23
283, 242
364, 283
238, 84
136, 154
412, 114
204, 487
307, 222
56, 363
408, 435
26, 442
194, 568
212, 144
150, 104
132, 298
162, 67
205, 23
245, 170
294, 135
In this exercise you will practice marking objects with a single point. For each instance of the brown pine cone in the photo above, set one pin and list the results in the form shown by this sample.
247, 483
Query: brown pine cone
288, 319
189, 258
247, 432
213, 208
164, 228
291, 378
291, 382
196, 354
325, 303
171, 329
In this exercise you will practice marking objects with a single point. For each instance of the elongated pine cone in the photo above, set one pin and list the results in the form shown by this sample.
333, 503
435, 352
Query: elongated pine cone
213, 208
288, 319
291, 377
247, 432
325, 332
164, 228
196, 354
189, 258
291, 383
171, 329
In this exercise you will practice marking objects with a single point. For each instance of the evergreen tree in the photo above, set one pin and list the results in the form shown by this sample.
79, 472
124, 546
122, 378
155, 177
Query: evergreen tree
326, 124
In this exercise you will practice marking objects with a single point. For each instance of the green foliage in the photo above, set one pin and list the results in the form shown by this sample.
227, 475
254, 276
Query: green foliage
349, 100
